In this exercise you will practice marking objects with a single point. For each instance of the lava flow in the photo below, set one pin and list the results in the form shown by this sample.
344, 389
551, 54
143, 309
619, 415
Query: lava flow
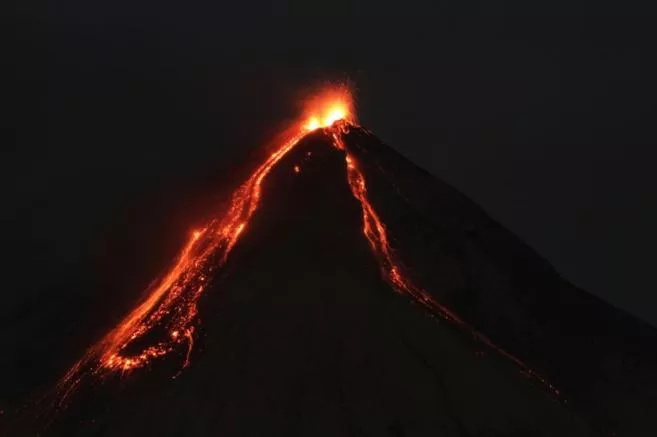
391, 270
166, 319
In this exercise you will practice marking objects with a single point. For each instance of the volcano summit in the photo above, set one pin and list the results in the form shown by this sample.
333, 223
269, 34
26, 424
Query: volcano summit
344, 291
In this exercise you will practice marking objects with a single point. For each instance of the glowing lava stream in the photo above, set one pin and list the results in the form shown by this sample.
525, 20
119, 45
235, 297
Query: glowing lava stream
170, 308
391, 270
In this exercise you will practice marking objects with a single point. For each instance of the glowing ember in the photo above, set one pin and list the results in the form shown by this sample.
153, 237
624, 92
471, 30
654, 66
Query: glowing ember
165, 320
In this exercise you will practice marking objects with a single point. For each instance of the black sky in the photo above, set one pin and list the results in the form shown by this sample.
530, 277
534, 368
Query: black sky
543, 113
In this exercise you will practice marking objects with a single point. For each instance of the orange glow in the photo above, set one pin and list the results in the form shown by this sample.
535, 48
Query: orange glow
313, 123
331, 105
297, 169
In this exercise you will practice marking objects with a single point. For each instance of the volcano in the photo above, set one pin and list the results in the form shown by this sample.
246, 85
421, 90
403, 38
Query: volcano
345, 291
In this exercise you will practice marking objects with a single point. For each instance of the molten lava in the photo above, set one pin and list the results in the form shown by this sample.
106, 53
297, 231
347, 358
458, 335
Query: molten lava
166, 319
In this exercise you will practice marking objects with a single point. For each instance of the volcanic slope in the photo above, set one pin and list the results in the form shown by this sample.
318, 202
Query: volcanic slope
603, 361
301, 335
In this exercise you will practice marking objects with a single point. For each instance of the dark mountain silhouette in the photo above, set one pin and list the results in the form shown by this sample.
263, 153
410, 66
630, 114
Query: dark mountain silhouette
301, 335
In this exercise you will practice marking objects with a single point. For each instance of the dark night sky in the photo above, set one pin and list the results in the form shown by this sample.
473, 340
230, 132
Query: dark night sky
543, 113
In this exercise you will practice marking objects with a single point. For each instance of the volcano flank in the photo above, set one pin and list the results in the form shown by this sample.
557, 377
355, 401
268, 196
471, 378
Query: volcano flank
312, 321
